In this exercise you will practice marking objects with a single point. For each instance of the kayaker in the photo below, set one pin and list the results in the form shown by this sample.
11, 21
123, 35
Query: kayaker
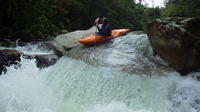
105, 29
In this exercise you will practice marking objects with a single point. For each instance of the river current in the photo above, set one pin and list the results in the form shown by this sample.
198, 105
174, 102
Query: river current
118, 76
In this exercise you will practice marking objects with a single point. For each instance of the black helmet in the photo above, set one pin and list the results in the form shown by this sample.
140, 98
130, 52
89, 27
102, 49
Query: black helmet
105, 19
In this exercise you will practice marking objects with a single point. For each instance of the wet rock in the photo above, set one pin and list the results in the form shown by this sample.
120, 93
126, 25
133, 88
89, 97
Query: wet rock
129, 53
44, 60
177, 41
13, 57
51, 46
48, 56
63, 32
8, 57
198, 78
66, 42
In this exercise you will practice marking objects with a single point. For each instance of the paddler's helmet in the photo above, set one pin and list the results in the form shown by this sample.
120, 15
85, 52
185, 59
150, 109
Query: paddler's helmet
105, 20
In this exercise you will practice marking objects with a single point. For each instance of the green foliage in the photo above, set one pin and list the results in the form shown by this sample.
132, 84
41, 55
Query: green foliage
121, 13
153, 13
182, 8
26, 19
39, 19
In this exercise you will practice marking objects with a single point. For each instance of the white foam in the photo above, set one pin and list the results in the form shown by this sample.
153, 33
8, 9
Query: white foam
74, 86
22, 89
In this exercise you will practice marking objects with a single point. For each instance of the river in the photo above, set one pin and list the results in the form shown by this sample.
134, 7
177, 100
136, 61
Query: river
118, 76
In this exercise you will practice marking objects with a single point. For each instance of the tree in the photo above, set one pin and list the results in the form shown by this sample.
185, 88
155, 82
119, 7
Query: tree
153, 13
36, 19
182, 8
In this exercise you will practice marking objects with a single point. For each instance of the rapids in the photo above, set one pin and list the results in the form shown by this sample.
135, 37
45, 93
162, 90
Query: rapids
100, 83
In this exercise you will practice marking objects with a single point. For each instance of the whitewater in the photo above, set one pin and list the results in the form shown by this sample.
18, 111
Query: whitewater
126, 79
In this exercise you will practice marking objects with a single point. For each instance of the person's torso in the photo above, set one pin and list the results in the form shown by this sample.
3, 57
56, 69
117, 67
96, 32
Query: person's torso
106, 28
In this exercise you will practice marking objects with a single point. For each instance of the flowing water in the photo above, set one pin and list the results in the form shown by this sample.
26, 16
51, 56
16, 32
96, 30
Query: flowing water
31, 49
100, 83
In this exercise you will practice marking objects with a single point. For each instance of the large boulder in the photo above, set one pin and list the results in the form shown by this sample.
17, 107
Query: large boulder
65, 42
177, 41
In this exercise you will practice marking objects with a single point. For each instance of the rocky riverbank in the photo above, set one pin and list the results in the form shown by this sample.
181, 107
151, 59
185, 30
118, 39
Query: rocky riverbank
59, 47
176, 40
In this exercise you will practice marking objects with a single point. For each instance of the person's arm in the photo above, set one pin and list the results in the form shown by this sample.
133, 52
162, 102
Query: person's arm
98, 28
96, 22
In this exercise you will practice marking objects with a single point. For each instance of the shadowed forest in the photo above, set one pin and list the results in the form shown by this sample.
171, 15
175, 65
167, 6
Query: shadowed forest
31, 20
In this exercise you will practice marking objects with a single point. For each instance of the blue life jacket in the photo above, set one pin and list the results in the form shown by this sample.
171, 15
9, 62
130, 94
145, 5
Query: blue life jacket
105, 30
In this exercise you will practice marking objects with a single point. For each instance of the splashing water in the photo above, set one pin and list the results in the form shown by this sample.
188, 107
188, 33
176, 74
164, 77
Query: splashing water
32, 49
21, 89
74, 86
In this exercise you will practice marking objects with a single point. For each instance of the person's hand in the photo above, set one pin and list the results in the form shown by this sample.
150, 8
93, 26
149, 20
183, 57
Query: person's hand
96, 22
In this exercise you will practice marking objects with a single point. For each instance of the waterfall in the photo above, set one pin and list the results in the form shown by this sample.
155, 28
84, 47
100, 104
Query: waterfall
74, 85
